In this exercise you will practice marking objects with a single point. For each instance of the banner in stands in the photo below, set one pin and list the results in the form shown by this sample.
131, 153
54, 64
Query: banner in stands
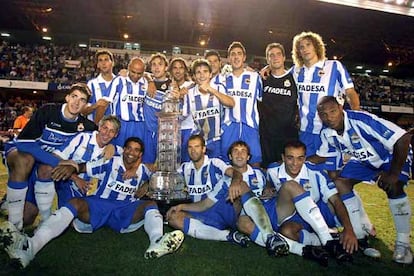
72, 63
35, 85
59, 86
397, 109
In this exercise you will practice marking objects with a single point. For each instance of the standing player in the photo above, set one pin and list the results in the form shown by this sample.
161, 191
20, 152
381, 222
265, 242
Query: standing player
180, 85
279, 109
214, 59
153, 103
115, 205
380, 151
129, 94
317, 77
205, 104
101, 100
51, 126
242, 121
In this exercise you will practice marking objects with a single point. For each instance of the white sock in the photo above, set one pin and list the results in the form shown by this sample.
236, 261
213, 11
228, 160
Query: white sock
15, 204
153, 225
310, 212
294, 246
255, 210
401, 212
354, 212
256, 237
365, 221
199, 230
51, 228
44, 193
309, 238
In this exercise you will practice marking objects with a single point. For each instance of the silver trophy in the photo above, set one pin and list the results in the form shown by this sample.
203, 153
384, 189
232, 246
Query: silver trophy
166, 184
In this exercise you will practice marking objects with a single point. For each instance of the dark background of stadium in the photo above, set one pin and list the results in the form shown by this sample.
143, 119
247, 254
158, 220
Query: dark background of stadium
356, 36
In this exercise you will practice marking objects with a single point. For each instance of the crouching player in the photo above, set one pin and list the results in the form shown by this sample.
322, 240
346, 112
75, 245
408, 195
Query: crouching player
114, 205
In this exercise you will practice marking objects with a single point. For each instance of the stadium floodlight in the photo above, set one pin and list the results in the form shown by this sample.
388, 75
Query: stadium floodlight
46, 38
82, 45
5, 34
359, 67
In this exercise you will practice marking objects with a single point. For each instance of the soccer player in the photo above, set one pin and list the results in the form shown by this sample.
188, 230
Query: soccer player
317, 77
279, 109
242, 121
205, 103
51, 126
101, 100
129, 94
379, 151
201, 175
214, 59
180, 84
115, 205
285, 178
224, 204
21, 121
85, 147
153, 103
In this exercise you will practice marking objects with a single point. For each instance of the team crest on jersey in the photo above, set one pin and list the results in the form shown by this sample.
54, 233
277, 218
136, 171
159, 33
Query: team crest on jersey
255, 181
164, 86
287, 83
247, 80
307, 186
321, 73
354, 138
81, 127
205, 174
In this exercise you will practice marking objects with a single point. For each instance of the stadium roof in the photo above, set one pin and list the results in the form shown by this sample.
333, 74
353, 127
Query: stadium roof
350, 33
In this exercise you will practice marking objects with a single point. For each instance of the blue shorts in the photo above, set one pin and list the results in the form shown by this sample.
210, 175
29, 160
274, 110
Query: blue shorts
313, 142
240, 131
151, 150
66, 190
116, 214
354, 169
213, 149
221, 215
129, 129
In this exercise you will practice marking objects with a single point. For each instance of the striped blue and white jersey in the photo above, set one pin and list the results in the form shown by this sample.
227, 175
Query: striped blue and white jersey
366, 138
254, 178
101, 89
202, 181
206, 111
314, 181
129, 98
110, 183
217, 80
187, 122
324, 78
246, 90
83, 148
